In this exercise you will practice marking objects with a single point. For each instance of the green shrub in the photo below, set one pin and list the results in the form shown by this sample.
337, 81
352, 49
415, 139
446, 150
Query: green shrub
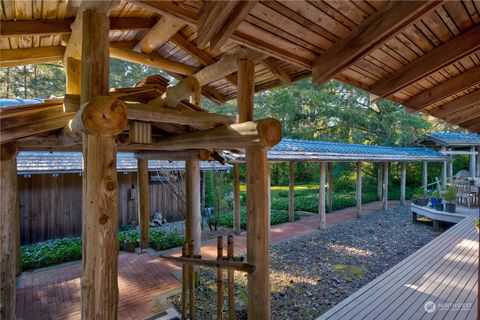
63, 250
276, 217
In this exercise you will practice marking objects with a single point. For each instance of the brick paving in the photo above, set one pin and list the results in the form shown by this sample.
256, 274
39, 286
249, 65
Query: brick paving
54, 292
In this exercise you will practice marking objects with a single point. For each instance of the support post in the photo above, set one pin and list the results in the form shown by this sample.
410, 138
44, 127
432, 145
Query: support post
258, 217
443, 174
143, 204
193, 217
291, 192
99, 282
329, 187
358, 197
478, 162
321, 196
379, 181
236, 199
9, 218
472, 162
425, 175
385, 186
403, 183
450, 168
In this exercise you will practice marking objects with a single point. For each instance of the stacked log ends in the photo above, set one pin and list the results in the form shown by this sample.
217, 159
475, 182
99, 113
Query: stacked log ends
103, 116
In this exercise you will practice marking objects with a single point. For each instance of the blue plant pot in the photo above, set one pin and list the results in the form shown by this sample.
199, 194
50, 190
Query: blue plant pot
434, 202
439, 200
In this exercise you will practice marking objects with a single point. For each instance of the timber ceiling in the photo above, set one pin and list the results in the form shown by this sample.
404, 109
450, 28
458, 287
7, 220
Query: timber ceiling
425, 55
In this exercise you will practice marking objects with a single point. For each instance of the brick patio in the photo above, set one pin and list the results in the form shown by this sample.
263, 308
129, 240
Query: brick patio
54, 292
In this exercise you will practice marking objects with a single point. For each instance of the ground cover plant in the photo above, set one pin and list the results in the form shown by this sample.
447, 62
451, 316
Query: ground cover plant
63, 250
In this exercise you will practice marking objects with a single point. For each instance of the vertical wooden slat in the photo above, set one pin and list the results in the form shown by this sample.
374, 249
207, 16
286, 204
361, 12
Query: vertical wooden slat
143, 203
236, 199
291, 191
358, 196
231, 280
8, 230
321, 197
219, 279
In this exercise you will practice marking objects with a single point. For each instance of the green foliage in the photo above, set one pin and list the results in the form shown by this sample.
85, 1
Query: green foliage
450, 194
63, 250
276, 217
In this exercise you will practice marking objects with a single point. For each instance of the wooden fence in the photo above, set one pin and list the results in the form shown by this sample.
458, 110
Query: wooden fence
51, 205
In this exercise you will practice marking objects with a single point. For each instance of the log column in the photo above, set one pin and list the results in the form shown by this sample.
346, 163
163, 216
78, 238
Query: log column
236, 199
358, 197
143, 203
291, 192
425, 175
321, 197
379, 181
478, 162
258, 217
472, 162
99, 285
403, 183
450, 168
9, 227
385, 186
443, 174
329, 187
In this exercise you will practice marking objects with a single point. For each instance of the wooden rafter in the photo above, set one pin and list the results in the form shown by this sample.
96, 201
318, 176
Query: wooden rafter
28, 28
279, 72
370, 34
445, 89
198, 54
163, 30
433, 61
464, 115
219, 19
18, 57
457, 104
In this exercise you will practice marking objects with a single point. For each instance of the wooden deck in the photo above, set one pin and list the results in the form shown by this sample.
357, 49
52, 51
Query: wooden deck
442, 274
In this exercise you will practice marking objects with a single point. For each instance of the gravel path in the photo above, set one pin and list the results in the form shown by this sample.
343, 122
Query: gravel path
312, 273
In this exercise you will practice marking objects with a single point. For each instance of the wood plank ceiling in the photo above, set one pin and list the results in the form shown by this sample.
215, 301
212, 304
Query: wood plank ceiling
425, 55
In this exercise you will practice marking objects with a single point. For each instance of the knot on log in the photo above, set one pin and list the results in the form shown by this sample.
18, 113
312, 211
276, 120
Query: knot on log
103, 219
103, 116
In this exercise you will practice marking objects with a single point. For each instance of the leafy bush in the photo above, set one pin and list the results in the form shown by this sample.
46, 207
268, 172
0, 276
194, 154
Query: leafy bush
63, 250
276, 217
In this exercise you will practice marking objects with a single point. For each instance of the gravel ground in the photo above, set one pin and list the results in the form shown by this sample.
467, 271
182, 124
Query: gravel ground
312, 273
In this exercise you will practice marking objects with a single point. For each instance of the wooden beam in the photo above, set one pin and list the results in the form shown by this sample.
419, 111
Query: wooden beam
371, 33
457, 104
403, 183
175, 94
202, 155
198, 54
445, 89
218, 21
100, 181
28, 28
291, 191
117, 50
321, 198
279, 72
358, 194
385, 186
236, 199
260, 133
143, 203
163, 30
225, 66
219, 264
464, 115
19, 57
74, 78
9, 227
440, 57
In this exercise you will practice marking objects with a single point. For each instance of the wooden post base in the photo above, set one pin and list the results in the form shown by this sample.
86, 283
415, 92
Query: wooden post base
414, 217
436, 225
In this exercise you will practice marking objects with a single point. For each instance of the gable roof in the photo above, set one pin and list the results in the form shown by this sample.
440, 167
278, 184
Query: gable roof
450, 139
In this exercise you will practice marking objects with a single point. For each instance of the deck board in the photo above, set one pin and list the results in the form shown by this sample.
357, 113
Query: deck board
444, 271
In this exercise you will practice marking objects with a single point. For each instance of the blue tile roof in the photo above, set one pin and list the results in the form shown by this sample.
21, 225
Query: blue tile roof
455, 136
294, 145
33, 162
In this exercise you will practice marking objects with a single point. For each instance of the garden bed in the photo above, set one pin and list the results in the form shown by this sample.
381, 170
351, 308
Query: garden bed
312, 273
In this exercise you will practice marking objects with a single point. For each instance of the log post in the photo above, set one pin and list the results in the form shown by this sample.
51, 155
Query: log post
236, 199
291, 192
9, 218
73, 73
403, 183
358, 197
143, 203
425, 175
472, 162
478, 162
379, 181
443, 174
321, 197
385, 186
450, 168
258, 218
329, 187
99, 284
